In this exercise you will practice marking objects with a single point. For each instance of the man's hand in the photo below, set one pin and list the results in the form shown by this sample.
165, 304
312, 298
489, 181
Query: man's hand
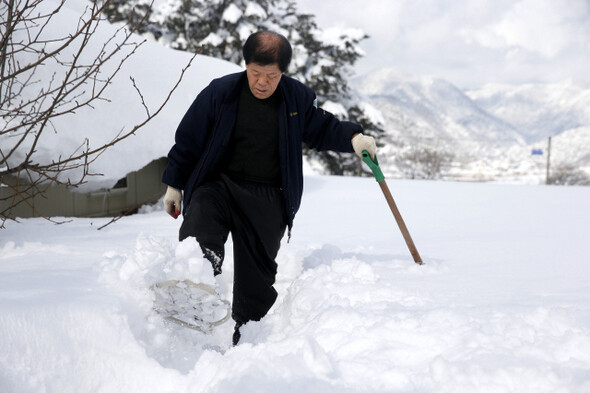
172, 201
362, 142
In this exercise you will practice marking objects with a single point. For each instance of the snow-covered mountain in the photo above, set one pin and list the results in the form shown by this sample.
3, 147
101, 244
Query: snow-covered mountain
431, 110
538, 111
490, 132
559, 110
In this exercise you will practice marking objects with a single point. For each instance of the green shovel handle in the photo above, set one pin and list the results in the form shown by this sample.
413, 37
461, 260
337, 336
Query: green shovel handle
374, 166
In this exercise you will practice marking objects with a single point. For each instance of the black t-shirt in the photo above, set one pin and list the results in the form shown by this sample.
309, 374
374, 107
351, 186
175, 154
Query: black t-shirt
254, 145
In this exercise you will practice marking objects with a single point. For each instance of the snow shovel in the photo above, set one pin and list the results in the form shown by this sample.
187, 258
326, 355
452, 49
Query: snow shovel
374, 166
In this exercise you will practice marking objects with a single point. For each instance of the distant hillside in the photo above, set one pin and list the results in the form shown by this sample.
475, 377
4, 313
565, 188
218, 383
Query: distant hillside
537, 111
432, 110
490, 131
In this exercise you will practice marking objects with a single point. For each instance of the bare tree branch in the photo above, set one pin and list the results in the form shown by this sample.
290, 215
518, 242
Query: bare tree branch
30, 101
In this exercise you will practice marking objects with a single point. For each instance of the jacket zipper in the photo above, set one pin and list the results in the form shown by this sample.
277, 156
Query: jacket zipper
288, 206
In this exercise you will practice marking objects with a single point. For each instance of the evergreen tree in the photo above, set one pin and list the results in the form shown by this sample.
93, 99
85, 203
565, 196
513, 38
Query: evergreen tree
217, 28
132, 11
322, 59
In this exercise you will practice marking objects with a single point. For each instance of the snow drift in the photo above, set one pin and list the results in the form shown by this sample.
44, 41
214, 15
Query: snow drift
502, 303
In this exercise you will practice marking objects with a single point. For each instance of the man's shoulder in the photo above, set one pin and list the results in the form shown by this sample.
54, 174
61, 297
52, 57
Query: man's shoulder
226, 86
228, 80
292, 86
227, 83
293, 83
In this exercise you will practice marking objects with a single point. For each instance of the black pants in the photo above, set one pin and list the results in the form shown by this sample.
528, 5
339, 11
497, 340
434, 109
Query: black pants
254, 215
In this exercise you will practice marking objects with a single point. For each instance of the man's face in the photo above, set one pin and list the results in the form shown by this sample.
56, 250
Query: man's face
263, 80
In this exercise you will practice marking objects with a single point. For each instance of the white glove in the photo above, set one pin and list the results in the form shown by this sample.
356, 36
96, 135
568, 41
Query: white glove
173, 201
362, 142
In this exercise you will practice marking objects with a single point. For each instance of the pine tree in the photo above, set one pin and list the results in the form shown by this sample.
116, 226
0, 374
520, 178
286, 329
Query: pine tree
131, 11
217, 28
322, 59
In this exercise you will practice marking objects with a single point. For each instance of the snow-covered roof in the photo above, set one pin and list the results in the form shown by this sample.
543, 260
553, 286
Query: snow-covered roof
155, 69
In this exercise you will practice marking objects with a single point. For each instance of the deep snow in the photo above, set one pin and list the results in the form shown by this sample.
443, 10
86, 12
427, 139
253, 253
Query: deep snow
501, 305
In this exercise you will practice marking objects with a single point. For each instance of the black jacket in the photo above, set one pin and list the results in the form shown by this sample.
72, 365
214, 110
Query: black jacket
203, 136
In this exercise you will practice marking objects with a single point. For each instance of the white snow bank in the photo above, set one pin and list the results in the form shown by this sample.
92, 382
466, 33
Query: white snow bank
501, 305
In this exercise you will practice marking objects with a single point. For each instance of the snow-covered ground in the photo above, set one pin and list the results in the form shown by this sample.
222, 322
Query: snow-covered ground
502, 303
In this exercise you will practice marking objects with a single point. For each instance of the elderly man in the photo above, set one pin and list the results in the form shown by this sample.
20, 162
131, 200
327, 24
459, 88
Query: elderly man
238, 158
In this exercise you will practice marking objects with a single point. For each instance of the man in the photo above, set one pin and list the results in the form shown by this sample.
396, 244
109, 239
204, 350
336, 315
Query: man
238, 158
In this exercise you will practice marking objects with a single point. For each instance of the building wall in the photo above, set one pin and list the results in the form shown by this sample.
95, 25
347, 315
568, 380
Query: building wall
141, 187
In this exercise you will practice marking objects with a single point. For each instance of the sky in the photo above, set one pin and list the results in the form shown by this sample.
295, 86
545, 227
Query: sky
468, 42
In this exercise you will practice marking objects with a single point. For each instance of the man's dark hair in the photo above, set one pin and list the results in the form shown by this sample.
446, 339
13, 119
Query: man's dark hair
267, 47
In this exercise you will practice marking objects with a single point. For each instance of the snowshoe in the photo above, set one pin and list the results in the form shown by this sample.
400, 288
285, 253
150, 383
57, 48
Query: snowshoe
193, 305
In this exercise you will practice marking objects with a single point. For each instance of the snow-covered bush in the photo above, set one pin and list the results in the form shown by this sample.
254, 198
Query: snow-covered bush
569, 175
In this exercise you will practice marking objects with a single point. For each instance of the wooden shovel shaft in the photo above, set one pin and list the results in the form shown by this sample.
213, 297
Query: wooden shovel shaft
400, 222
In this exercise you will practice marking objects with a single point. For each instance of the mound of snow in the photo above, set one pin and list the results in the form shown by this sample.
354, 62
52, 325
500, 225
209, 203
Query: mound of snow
501, 303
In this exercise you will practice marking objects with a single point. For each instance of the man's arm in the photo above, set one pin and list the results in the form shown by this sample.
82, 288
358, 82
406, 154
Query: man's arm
190, 140
324, 131
189, 144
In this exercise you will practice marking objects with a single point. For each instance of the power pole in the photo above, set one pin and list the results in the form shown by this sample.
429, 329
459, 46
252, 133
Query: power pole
548, 160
